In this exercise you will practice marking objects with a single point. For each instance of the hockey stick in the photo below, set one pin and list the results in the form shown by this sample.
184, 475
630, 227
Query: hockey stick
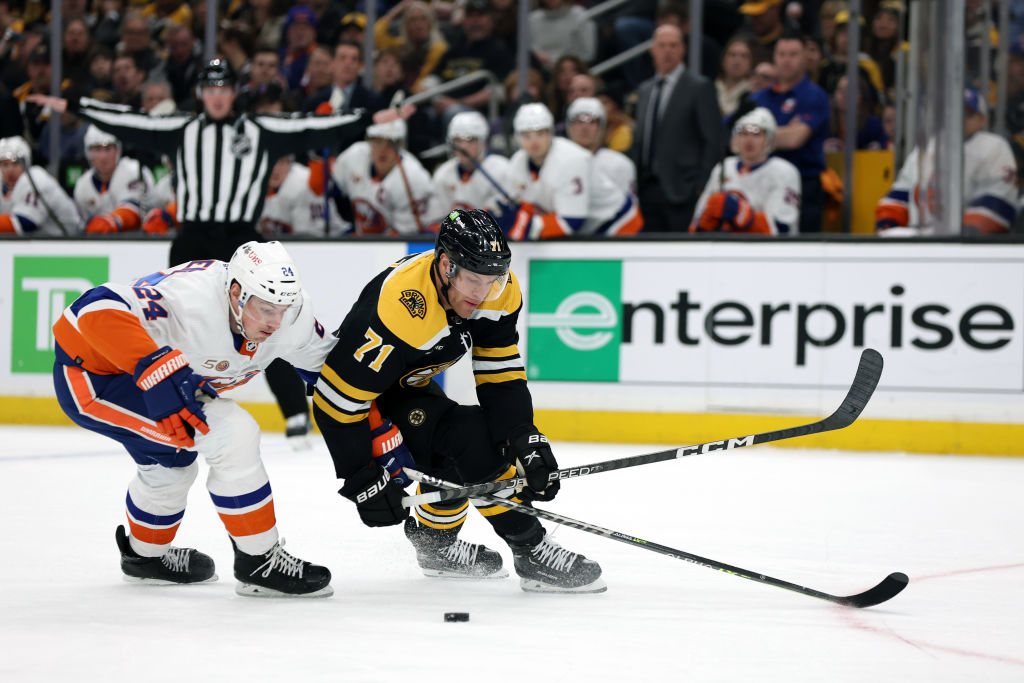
864, 382
396, 102
488, 176
889, 587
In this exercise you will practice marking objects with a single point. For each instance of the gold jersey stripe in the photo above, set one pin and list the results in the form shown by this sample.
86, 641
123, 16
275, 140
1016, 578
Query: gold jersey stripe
343, 387
492, 510
500, 352
445, 512
338, 415
495, 378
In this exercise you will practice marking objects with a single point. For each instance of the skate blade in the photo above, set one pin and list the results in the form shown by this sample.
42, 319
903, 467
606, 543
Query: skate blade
300, 444
250, 590
534, 586
164, 582
445, 574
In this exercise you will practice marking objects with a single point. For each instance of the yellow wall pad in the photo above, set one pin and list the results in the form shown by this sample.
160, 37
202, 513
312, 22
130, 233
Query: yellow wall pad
911, 436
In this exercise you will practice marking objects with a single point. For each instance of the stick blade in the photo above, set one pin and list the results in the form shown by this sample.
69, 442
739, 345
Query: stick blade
890, 587
869, 371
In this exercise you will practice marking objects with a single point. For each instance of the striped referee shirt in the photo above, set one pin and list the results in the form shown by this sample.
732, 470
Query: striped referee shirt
223, 167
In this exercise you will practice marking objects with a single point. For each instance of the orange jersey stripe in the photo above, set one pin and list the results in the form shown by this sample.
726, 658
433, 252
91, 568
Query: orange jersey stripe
551, 226
6, 224
631, 227
112, 414
892, 212
984, 223
249, 523
761, 224
117, 335
150, 535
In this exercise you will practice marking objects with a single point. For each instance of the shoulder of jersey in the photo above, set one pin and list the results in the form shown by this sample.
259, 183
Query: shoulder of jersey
509, 302
408, 304
495, 161
357, 150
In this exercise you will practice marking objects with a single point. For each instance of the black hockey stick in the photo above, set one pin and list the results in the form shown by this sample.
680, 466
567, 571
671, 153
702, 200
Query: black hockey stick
864, 382
480, 167
887, 589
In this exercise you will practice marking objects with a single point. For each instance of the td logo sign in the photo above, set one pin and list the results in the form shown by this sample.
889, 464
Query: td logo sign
574, 321
43, 287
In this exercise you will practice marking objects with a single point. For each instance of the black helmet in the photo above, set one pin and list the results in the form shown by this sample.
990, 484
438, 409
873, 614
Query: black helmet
473, 240
217, 72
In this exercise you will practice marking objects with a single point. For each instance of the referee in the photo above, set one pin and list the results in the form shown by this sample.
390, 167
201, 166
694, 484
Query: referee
223, 161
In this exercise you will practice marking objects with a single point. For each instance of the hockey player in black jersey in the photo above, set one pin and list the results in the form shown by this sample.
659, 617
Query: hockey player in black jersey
411, 322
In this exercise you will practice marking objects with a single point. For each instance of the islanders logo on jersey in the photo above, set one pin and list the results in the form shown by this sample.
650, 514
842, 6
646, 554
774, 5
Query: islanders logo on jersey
368, 219
414, 302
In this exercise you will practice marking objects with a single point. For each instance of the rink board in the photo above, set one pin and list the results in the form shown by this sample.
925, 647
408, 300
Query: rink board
667, 342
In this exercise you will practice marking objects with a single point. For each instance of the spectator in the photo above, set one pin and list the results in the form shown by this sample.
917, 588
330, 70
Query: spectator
834, 67
889, 124
328, 21
765, 20
235, 44
299, 42
814, 55
883, 43
619, 128
32, 203
107, 30
112, 194
764, 76
473, 49
72, 133
678, 137
387, 75
75, 52
566, 68
137, 41
39, 73
164, 14
15, 55
319, 73
419, 43
582, 85
347, 93
158, 98
559, 28
827, 21
506, 22
586, 122
751, 192
267, 16
870, 131
265, 68
11, 122
182, 66
734, 74
101, 69
989, 182
353, 27
128, 79
801, 111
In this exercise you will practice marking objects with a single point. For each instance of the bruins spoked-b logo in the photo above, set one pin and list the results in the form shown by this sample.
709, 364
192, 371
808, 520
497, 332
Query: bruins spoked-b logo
417, 417
415, 302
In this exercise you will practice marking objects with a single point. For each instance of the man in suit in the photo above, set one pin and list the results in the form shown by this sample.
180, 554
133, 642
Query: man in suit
347, 89
678, 138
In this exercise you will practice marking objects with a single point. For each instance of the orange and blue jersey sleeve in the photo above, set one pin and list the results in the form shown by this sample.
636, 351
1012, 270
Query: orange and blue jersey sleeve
101, 330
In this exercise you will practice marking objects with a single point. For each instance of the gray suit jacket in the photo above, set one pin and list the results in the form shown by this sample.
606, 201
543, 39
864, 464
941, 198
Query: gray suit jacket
689, 140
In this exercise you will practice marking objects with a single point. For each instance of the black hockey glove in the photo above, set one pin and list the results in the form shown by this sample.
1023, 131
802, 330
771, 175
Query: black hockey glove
531, 453
378, 499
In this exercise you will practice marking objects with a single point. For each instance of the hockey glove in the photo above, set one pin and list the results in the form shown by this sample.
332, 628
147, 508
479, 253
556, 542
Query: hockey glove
158, 221
169, 390
389, 449
378, 498
737, 214
102, 223
531, 453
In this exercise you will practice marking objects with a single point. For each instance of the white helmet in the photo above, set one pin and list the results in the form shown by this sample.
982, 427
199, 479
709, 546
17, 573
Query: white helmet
15, 148
586, 106
265, 270
533, 116
761, 119
395, 131
468, 124
94, 137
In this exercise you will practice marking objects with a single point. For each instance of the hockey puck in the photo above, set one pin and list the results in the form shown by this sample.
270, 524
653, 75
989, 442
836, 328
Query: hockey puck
456, 616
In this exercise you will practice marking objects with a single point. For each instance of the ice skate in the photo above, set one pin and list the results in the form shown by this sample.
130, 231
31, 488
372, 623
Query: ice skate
297, 429
441, 553
177, 565
549, 568
278, 574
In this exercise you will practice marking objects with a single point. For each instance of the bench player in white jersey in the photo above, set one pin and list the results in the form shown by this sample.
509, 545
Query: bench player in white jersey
754, 192
144, 363
293, 206
113, 194
557, 189
990, 191
388, 188
458, 184
586, 120
31, 201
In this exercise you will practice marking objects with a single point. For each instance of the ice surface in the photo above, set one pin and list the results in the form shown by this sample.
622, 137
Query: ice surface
835, 521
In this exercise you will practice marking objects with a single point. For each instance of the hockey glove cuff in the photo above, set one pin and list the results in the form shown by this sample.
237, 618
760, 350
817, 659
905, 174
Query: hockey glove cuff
377, 497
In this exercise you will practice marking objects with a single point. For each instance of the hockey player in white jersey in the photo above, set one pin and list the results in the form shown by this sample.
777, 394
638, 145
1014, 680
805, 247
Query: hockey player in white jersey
989, 184
32, 202
556, 189
388, 188
586, 120
293, 206
145, 364
113, 194
754, 192
458, 184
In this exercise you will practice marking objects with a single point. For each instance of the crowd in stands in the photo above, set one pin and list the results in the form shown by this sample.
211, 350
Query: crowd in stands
685, 149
